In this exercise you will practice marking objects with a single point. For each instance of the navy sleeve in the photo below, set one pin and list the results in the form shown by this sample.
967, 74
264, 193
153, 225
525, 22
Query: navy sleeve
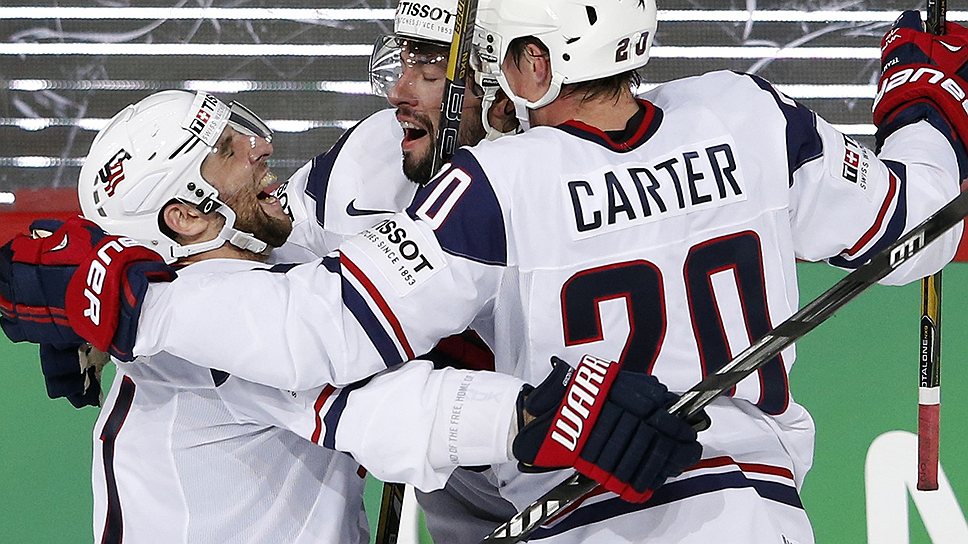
461, 205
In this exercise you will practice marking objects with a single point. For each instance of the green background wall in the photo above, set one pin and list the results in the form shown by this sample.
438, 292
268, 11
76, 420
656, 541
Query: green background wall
856, 373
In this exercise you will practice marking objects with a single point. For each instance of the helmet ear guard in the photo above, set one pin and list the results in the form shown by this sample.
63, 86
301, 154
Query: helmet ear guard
151, 153
490, 88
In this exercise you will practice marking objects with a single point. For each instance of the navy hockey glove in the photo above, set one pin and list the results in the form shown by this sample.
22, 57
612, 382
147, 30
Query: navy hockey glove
924, 76
73, 373
610, 425
77, 285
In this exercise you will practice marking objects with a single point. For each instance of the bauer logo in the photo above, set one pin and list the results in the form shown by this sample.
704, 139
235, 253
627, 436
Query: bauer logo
921, 77
401, 252
96, 274
112, 173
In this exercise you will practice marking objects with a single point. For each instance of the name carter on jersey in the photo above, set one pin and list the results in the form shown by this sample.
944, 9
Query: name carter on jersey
687, 180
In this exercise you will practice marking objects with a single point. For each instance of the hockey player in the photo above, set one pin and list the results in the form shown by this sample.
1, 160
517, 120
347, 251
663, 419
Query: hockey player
190, 418
660, 232
181, 453
227, 460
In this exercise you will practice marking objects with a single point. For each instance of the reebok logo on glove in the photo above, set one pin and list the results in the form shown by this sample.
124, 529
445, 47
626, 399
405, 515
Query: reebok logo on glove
579, 402
96, 274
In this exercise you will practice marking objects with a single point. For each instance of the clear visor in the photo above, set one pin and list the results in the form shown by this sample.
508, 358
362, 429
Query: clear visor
391, 54
245, 121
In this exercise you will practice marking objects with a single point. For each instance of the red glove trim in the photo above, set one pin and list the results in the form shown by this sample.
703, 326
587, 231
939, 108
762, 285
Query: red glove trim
92, 316
579, 409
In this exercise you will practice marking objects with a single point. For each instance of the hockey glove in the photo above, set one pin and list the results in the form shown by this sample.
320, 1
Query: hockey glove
924, 76
76, 285
73, 373
610, 425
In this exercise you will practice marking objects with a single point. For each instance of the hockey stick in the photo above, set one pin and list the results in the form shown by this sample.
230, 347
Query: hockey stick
451, 107
929, 369
762, 351
458, 67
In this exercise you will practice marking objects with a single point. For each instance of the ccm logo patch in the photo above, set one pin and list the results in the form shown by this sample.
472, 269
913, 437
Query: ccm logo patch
580, 401
96, 273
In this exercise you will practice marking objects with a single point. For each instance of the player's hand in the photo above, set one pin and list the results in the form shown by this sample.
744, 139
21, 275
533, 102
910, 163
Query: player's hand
73, 373
924, 76
610, 425
77, 285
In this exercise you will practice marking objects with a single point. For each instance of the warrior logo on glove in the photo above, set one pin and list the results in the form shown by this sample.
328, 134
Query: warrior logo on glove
579, 403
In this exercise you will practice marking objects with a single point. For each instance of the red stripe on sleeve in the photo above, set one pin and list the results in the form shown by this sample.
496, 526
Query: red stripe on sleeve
891, 191
318, 407
380, 302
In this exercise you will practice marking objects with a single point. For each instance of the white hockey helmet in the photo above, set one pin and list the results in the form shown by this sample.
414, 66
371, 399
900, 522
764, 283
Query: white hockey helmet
425, 21
586, 39
151, 153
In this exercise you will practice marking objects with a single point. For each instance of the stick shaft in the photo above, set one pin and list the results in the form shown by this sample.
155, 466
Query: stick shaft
937, 15
388, 526
929, 383
451, 108
929, 348
458, 67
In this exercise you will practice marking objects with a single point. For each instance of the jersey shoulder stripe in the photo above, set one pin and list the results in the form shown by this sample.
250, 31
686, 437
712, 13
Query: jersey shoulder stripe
324, 395
767, 481
461, 206
803, 140
335, 412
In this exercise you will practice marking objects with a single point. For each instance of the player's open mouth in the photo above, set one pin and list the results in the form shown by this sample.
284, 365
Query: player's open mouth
269, 184
411, 133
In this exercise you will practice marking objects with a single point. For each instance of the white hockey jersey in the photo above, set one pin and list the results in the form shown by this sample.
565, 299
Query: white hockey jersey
188, 454
668, 248
358, 182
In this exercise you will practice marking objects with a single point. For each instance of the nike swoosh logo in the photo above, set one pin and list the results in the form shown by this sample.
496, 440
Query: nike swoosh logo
952, 48
355, 212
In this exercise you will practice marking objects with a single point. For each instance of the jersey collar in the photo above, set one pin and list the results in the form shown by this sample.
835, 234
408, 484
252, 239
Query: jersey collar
638, 130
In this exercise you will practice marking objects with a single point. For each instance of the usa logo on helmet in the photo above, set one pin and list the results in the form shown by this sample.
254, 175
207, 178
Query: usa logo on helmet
112, 173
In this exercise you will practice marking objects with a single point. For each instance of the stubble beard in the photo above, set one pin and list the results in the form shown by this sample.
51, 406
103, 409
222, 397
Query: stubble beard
420, 168
251, 218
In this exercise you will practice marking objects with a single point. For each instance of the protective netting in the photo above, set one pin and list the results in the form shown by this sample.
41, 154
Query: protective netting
67, 65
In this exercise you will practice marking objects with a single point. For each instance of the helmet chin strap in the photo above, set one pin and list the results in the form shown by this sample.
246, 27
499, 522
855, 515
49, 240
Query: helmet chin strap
242, 240
522, 106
